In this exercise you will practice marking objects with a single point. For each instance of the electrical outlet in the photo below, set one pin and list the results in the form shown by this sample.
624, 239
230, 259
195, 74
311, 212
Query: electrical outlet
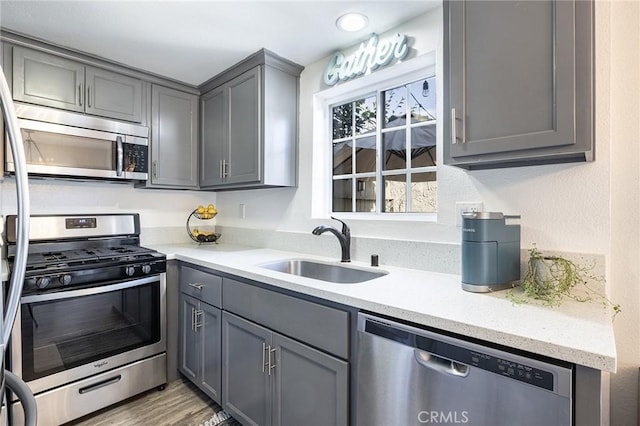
466, 207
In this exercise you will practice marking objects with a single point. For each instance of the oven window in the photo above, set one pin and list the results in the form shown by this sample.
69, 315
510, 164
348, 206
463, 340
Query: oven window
62, 334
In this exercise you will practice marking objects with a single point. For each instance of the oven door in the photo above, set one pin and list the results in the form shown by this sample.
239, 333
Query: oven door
63, 336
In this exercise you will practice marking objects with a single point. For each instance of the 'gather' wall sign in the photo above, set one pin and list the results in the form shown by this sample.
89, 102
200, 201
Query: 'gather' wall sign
370, 56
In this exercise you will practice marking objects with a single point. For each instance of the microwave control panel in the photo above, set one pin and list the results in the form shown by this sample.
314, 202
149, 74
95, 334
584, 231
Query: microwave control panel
135, 158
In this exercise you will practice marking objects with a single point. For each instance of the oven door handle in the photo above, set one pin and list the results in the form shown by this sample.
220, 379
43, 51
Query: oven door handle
45, 297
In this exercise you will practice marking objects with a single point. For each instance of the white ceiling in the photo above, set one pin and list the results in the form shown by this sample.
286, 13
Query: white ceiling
191, 41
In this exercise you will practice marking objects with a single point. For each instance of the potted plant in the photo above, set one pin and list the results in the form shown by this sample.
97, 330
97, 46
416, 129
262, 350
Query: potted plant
551, 279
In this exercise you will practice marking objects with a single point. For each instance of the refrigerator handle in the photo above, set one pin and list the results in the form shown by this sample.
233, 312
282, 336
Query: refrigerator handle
22, 189
16, 282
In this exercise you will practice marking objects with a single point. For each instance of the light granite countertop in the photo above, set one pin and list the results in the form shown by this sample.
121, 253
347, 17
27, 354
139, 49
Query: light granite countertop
580, 333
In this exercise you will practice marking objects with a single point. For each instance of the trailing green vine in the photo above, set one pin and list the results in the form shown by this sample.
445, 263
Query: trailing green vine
552, 279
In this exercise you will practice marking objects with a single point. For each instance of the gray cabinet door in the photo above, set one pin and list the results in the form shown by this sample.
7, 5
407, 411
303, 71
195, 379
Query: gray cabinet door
518, 74
311, 388
244, 148
189, 349
113, 95
174, 138
245, 379
48, 80
211, 354
215, 136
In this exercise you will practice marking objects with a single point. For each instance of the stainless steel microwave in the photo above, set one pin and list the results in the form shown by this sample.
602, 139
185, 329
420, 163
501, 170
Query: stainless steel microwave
63, 144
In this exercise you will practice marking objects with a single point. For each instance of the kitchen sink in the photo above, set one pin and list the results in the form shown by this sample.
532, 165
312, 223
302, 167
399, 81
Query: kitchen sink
324, 271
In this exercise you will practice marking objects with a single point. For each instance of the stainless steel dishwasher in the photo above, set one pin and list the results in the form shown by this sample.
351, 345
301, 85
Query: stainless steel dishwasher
412, 376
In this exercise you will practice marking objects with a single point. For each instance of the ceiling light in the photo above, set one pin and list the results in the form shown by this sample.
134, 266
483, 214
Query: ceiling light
352, 22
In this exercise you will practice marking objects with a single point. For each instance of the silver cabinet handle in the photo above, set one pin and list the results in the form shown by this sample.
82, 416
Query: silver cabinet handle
193, 319
272, 351
197, 286
264, 358
89, 96
120, 156
225, 168
154, 169
454, 137
198, 317
220, 167
80, 93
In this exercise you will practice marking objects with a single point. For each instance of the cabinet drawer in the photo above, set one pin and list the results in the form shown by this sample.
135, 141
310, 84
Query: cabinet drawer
317, 325
201, 285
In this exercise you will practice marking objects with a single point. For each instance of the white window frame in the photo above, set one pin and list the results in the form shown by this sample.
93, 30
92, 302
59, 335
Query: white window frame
418, 68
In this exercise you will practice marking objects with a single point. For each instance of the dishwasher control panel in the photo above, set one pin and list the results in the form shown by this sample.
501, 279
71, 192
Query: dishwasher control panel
513, 370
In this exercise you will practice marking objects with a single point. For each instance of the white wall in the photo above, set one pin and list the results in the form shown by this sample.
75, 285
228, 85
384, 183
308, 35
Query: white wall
157, 208
624, 265
563, 207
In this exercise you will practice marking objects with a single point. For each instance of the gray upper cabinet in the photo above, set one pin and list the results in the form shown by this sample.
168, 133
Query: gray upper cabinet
249, 125
113, 95
49, 80
520, 83
174, 139
215, 128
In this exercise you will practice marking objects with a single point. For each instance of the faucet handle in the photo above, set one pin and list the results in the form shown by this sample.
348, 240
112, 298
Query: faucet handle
345, 229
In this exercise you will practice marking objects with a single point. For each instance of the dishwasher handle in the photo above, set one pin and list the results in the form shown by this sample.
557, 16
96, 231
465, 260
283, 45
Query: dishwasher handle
441, 365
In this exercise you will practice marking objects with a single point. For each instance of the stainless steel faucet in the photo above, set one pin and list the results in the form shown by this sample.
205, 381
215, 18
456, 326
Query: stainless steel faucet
344, 237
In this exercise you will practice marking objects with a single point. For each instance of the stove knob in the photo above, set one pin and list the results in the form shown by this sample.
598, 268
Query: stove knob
146, 269
65, 279
129, 270
42, 282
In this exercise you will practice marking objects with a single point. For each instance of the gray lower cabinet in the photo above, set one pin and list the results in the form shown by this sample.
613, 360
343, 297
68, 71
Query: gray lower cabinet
174, 139
520, 83
200, 329
200, 339
49, 80
270, 379
249, 125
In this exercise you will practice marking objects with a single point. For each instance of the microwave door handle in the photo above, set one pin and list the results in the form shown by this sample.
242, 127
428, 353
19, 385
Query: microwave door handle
119, 156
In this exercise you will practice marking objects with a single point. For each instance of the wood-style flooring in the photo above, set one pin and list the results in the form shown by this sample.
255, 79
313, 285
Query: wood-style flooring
180, 404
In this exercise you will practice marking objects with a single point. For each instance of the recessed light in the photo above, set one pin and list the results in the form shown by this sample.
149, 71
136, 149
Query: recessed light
352, 21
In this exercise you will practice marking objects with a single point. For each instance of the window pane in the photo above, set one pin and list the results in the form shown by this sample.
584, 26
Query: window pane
366, 115
342, 154
422, 100
395, 106
394, 153
342, 195
366, 155
342, 121
423, 192
423, 146
366, 194
395, 193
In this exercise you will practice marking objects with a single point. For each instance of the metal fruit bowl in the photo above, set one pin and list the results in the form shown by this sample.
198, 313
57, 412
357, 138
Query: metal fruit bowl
202, 237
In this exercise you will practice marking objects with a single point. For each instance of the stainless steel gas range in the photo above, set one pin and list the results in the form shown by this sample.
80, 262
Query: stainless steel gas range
90, 330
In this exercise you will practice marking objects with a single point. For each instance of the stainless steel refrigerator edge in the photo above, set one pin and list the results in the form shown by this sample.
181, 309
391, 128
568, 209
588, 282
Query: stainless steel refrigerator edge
22, 246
